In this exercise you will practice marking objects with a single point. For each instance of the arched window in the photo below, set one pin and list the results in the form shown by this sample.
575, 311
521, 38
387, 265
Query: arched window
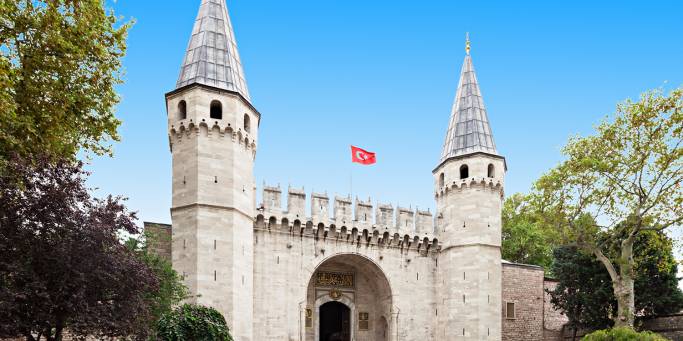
492, 171
216, 110
182, 110
442, 179
247, 123
464, 172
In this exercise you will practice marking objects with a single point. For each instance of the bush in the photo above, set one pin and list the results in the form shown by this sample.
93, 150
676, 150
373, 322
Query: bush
191, 322
622, 334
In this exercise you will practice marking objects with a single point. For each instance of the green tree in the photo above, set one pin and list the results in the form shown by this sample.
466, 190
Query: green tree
60, 61
629, 172
62, 265
525, 238
193, 323
584, 292
171, 290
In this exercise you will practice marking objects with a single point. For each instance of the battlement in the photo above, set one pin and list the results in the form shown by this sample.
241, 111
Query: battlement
219, 129
459, 185
353, 220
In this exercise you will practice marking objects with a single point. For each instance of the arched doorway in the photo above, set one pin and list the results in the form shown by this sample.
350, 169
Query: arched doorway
335, 322
348, 290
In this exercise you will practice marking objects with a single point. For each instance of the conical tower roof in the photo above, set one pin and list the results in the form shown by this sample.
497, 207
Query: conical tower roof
468, 131
212, 58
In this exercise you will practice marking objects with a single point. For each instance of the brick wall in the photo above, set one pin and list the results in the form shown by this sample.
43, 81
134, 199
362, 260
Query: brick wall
670, 326
667, 326
523, 286
159, 239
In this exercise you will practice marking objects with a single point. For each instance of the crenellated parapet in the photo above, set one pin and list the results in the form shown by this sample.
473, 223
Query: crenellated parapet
217, 129
459, 185
356, 221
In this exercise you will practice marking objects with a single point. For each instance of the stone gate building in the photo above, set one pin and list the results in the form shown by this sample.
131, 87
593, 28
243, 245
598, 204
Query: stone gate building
343, 270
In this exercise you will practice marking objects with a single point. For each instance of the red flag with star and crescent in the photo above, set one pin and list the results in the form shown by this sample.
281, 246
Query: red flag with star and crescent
362, 156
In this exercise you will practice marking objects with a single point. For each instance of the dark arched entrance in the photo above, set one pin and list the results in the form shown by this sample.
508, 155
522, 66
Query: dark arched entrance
335, 322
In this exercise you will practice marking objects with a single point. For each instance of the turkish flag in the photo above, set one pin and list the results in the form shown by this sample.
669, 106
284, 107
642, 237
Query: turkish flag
361, 156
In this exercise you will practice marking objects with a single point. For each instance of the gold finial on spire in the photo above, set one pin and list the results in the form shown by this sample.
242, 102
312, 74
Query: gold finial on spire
467, 43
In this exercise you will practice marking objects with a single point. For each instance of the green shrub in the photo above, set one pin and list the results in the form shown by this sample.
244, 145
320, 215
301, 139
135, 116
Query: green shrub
622, 334
191, 322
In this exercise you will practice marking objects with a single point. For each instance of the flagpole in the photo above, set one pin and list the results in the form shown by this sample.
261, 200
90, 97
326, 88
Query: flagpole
351, 183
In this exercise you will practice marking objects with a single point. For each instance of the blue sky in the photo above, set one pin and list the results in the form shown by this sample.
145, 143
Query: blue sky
382, 75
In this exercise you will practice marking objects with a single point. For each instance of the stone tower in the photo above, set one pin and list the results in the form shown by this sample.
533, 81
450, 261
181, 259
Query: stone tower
213, 131
469, 193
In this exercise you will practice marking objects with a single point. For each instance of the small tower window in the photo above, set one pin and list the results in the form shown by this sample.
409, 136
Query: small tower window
464, 172
247, 123
216, 110
182, 110
492, 171
442, 179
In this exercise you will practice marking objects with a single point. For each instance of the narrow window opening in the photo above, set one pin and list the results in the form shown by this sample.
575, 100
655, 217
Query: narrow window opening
418, 276
184, 243
247, 123
463, 331
182, 110
492, 171
214, 244
216, 112
463, 276
463, 299
442, 180
215, 179
510, 310
215, 275
464, 172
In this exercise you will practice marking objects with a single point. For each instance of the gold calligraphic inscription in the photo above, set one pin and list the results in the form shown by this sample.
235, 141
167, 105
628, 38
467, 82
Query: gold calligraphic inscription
334, 279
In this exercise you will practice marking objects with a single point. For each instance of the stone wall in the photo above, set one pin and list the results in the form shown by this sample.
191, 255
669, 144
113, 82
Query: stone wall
159, 239
523, 286
670, 326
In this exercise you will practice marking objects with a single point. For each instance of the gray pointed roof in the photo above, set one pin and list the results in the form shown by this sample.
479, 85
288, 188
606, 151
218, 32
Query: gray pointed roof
212, 58
468, 131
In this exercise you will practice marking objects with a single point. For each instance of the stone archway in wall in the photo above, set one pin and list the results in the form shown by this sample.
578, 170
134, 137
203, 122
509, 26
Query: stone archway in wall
352, 283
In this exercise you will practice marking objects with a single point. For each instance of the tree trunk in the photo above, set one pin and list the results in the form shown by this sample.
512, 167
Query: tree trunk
623, 288
622, 282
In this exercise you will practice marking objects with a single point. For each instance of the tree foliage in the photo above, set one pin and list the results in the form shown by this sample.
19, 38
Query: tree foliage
526, 239
60, 61
171, 289
194, 323
629, 173
62, 263
584, 291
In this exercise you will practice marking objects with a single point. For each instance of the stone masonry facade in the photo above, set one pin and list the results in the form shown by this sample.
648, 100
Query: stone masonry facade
333, 268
